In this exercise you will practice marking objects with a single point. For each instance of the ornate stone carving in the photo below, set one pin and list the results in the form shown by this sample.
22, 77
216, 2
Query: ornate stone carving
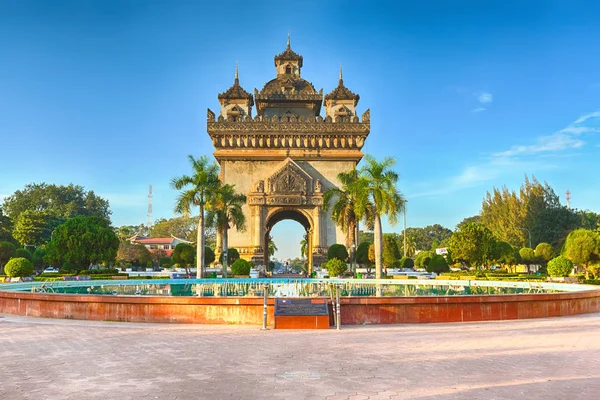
318, 187
289, 178
210, 115
366, 117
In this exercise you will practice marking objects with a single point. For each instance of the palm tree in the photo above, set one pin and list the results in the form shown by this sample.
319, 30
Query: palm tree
304, 245
272, 248
196, 191
225, 211
376, 189
345, 210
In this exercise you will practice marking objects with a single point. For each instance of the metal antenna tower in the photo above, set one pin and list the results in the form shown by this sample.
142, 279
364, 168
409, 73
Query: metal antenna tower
568, 199
150, 208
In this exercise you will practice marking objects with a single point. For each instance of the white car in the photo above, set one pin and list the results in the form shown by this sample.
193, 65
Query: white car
50, 270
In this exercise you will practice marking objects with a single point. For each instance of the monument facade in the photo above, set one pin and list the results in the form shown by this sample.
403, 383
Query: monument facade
285, 157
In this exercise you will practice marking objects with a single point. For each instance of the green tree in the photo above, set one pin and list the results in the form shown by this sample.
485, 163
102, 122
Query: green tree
271, 246
232, 255
344, 210
197, 190
582, 247
18, 266
407, 262
6, 228
37, 257
438, 264
423, 258
225, 211
135, 254
83, 241
23, 253
391, 253
473, 244
560, 266
475, 218
335, 267
184, 227
506, 213
366, 236
59, 201
505, 254
544, 252
209, 255
527, 256
376, 191
362, 253
338, 251
241, 267
184, 255
7, 251
34, 228
304, 245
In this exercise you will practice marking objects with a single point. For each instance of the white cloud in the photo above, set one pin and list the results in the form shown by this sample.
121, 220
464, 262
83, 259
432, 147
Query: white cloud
587, 116
576, 130
558, 141
484, 97
479, 109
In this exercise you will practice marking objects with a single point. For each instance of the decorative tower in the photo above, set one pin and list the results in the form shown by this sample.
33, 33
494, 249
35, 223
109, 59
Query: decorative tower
236, 103
340, 104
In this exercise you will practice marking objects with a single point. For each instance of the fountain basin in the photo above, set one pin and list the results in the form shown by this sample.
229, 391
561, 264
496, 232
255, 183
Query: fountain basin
532, 300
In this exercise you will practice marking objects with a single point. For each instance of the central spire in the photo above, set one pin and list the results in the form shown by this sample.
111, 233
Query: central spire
237, 80
288, 42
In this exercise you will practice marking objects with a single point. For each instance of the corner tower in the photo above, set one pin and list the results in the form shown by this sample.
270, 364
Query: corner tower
287, 155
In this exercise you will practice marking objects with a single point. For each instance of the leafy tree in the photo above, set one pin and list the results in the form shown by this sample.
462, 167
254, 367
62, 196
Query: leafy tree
391, 253
304, 245
225, 211
506, 213
407, 262
271, 246
527, 256
134, 254
37, 257
475, 218
6, 228
184, 255
18, 266
59, 201
583, 248
232, 255
241, 267
34, 228
337, 251
362, 253
83, 241
7, 251
560, 266
335, 267
423, 258
126, 232
376, 191
23, 253
473, 244
437, 264
505, 254
184, 227
209, 255
197, 190
544, 252
366, 236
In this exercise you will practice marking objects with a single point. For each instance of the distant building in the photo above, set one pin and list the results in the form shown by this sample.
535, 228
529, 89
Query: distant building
153, 244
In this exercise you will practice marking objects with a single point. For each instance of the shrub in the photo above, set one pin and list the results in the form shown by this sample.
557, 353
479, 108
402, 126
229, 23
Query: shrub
407, 262
560, 266
7, 251
105, 271
232, 256
335, 267
438, 264
423, 258
18, 267
241, 267
337, 251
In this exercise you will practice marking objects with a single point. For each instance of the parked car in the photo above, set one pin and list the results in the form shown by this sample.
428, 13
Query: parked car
50, 270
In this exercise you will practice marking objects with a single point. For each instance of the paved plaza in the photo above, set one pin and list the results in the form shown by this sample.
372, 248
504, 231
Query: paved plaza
556, 358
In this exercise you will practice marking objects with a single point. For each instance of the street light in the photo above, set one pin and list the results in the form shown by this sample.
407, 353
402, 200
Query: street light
352, 256
529, 232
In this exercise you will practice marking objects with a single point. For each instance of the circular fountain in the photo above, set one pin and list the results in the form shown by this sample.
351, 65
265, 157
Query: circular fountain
240, 301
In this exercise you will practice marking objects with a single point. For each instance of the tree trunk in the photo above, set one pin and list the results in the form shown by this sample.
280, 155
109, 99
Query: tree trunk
378, 250
225, 244
200, 245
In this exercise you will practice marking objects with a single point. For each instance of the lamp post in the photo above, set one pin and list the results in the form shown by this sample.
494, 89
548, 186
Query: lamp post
529, 233
352, 256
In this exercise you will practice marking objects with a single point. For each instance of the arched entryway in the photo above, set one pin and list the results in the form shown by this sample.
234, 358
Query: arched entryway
295, 214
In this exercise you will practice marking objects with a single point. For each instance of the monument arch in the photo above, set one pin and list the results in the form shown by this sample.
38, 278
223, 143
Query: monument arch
287, 155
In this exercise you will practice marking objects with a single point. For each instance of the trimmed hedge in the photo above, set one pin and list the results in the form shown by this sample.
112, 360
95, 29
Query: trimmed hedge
17, 267
241, 267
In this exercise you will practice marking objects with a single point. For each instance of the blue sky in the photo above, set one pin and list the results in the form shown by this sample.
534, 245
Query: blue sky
467, 95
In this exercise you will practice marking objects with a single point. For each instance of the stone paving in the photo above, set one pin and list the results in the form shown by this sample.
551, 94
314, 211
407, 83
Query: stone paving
556, 358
